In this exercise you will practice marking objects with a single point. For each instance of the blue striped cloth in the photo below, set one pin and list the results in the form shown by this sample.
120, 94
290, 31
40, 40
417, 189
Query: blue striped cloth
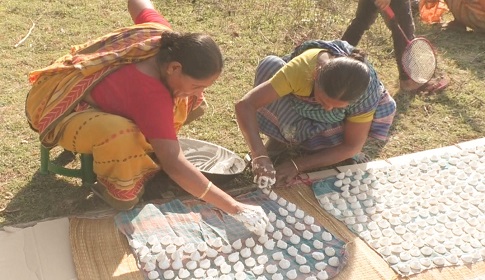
199, 222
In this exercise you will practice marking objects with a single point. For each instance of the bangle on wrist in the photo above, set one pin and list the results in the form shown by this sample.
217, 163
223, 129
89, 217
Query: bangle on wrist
258, 157
296, 166
209, 185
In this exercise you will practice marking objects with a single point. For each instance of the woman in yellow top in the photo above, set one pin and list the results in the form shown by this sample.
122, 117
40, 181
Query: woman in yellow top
324, 98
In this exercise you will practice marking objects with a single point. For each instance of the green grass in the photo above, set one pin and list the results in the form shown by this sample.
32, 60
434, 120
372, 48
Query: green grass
246, 31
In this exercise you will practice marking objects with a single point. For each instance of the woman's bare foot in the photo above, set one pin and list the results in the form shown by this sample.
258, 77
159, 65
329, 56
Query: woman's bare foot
409, 85
454, 25
434, 85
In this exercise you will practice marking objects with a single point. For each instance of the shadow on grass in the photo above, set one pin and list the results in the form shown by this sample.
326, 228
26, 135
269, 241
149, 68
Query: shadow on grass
50, 196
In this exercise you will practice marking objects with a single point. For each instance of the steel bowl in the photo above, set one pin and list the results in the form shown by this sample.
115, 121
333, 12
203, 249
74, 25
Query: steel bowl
217, 163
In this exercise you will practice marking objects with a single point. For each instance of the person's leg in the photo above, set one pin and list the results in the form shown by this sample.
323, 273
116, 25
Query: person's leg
404, 17
365, 16
383, 117
121, 162
267, 68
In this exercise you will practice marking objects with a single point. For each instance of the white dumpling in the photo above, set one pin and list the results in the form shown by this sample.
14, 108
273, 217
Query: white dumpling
263, 238
205, 263
269, 244
238, 276
211, 253
263, 259
218, 261
250, 242
271, 269
178, 241
149, 266
281, 244
225, 268
300, 259
322, 275
299, 226
299, 214
318, 256
295, 239
152, 275
292, 251
287, 231
326, 236
169, 274
329, 251
333, 261
258, 270
250, 262
226, 249
291, 207
317, 244
272, 217
282, 201
135, 244
258, 249
238, 267
184, 273
291, 274
237, 244
277, 276
284, 263
305, 248
277, 235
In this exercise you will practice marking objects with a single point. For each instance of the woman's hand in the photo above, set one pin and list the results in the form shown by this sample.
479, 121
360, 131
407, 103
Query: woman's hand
286, 172
264, 172
253, 217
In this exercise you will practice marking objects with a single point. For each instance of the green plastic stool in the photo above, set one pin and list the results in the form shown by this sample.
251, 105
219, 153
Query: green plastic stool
86, 172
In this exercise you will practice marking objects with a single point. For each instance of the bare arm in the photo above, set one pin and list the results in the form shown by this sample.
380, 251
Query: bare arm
136, 6
174, 163
246, 108
355, 136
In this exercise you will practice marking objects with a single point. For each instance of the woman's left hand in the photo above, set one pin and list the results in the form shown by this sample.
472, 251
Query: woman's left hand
286, 173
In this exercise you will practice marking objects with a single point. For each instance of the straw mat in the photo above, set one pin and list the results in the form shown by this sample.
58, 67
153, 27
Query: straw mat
364, 263
100, 251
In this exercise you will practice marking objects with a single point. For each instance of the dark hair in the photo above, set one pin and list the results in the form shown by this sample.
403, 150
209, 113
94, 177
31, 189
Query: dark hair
198, 54
344, 78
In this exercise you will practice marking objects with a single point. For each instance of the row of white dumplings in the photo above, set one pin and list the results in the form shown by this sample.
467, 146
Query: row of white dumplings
201, 267
467, 211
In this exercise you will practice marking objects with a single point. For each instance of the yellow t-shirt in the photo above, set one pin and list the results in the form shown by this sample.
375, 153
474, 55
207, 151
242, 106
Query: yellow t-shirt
298, 76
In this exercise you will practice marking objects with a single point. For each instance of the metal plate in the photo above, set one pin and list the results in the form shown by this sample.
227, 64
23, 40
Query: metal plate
212, 159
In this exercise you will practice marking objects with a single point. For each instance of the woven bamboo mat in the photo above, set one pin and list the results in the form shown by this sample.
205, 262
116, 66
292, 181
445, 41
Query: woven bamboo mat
100, 251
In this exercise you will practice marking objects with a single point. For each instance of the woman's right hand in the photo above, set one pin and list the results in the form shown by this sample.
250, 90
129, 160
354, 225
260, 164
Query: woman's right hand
264, 172
253, 217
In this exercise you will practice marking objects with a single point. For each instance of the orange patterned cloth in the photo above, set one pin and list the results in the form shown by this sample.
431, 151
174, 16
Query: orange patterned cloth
57, 90
430, 11
55, 109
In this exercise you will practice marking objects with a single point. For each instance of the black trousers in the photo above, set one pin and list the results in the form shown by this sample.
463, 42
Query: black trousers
366, 15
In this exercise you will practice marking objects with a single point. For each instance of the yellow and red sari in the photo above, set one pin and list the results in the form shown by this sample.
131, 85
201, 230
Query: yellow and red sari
55, 109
